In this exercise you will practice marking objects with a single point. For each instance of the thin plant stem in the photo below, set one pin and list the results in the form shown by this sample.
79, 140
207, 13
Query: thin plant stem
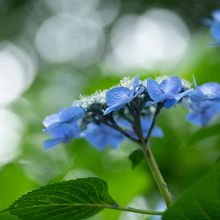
156, 113
129, 209
161, 184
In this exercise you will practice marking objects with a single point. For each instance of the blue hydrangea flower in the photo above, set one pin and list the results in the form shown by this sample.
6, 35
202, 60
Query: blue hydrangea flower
62, 125
168, 91
201, 113
118, 97
101, 136
157, 132
215, 26
208, 91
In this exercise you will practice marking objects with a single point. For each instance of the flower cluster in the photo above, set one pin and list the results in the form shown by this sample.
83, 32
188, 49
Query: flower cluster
215, 26
129, 111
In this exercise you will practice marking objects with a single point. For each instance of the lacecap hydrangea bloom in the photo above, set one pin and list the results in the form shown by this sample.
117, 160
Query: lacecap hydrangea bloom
214, 24
129, 111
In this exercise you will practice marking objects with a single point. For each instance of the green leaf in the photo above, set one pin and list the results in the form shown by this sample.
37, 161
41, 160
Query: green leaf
203, 133
74, 199
200, 202
136, 157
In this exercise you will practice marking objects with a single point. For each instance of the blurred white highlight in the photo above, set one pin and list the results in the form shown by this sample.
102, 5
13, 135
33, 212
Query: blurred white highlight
157, 39
10, 128
16, 73
138, 202
65, 37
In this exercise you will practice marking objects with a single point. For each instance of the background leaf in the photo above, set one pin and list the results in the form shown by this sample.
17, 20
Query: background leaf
201, 201
136, 157
74, 199
201, 134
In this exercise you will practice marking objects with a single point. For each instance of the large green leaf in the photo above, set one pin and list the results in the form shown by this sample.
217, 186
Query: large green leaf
74, 199
201, 201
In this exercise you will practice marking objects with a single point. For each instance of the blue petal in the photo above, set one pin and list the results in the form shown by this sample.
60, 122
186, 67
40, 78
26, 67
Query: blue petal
117, 106
63, 130
210, 89
202, 112
71, 114
153, 89
117, 95
157, 132
135, 85
51, 119
101, 136
169, 103
194, 118
216, 15
207, 91
52, 142
64, 115
171, 85
198, 94
215, 31
116, 98
146, 123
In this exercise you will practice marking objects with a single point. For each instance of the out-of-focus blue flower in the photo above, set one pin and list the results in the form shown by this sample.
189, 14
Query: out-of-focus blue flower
208, 91
157, 132
102, 136
168, 91
202, 112
215, 26
118, 97
62, 126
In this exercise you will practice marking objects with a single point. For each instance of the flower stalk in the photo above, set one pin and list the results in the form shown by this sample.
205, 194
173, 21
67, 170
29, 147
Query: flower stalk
161, 184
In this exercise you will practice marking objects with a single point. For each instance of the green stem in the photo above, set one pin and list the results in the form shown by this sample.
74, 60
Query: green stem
128, 209
161, 184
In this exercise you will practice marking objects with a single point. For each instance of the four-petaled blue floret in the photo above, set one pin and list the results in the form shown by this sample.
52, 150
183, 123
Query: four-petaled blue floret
208, 91
202, 112
118, 97
129, 111
205, 103
62, 125
168, 91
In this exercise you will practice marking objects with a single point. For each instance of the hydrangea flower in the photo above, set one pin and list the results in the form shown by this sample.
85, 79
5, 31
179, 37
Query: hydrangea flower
118, 97
167, 91
205, 103
90, 117
201, 113
214, 25
208, 91
62, 125
101, 136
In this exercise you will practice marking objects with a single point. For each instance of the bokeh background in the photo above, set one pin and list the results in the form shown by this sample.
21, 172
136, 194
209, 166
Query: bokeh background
51, 51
